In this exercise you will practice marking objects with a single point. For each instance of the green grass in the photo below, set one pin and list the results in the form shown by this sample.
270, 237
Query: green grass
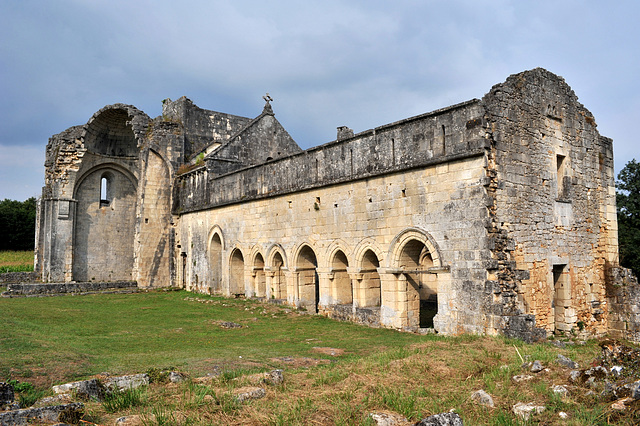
16, 261
118, 400
72, 337
52, 340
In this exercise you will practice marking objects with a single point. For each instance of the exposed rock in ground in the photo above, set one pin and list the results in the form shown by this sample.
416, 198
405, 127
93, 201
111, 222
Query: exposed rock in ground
482, 398
122, 383
7, 397
525, 411
521, 378
174, 418
560, 390
133, 420
246, 393
567, 362
69, 413
387, 419
176, 377
274, 377
60, 399
84, 389
536, 367
621, 404
229, 324
443, 419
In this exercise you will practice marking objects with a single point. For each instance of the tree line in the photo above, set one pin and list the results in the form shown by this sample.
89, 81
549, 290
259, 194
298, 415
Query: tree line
628, 203
17, 224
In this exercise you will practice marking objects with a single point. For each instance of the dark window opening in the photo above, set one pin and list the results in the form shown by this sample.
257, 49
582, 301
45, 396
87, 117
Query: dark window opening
561, 177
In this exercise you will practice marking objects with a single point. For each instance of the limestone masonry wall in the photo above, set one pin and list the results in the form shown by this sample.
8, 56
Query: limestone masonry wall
490, 216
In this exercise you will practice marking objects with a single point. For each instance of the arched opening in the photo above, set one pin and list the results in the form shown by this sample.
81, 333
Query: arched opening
215, 262
110, 133
259, 283
342, 288
308, 285
236, 273
278, 285
104, 237
371, 294
422, 286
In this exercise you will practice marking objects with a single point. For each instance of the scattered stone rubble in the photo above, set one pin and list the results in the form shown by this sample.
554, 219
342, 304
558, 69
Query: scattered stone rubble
614, 377
443, 419
14, 416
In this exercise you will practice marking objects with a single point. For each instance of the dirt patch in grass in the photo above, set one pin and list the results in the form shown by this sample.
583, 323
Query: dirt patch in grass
328, 351
298, 362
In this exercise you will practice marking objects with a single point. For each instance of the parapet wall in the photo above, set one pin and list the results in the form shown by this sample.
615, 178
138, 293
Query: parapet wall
445, 135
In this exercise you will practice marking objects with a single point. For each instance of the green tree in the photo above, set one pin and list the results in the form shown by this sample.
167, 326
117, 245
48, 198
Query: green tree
628, 201
17, 224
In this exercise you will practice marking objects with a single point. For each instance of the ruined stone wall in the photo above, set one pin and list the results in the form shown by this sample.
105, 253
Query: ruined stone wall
153, 250
408, 183
202, 127
494, 215
371, 213
432, 138
74, 228
264, 139
555, 202
623, 297
104, 229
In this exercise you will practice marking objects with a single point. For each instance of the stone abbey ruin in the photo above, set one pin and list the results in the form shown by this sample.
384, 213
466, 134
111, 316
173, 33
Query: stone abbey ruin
496, 215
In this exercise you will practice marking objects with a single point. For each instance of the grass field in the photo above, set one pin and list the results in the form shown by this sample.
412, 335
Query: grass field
46, 341
16, 261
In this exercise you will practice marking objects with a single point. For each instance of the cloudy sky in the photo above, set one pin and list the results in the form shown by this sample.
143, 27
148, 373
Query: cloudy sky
330, 63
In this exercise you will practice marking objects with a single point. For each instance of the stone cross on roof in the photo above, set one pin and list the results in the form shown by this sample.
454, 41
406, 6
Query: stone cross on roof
267, 106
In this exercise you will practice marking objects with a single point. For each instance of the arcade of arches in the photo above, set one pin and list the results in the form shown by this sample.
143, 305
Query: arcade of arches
353, 285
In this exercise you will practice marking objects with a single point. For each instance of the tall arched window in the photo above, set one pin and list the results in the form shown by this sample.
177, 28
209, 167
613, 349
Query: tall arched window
105, 190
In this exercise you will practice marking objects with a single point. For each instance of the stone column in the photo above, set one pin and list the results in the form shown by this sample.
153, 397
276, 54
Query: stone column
327, 290
357, 283
251, 289
268, 282
293, 288
392, 304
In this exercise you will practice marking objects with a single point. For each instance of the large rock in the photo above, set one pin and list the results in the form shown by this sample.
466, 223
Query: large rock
122, 383
443, 419
7, 397
69, 413
48, 401
84, 389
